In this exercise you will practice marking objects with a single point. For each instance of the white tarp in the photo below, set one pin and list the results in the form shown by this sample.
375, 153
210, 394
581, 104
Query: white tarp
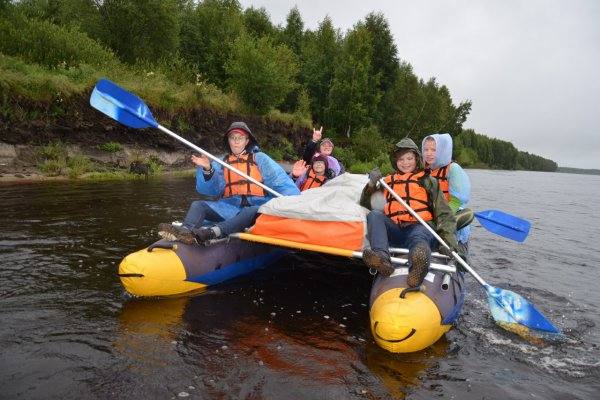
336, 200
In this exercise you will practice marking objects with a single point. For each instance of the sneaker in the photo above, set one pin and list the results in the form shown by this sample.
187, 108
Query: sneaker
172, 233
204, 234
379, 261
419, 266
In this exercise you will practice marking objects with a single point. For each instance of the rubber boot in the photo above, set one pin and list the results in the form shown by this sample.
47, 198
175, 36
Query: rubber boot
204, 234
378, 260
172, 233
419, 265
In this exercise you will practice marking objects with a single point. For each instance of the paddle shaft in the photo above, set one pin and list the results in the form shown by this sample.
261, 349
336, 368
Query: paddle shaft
121, 103
216, 159
324, 249
434, 233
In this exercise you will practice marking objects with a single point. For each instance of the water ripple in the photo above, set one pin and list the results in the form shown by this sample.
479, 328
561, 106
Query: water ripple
297, 330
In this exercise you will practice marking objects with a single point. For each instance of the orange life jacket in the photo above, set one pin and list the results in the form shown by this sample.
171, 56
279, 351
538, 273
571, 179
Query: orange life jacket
313, 181
408, 187
441, 174
236, 185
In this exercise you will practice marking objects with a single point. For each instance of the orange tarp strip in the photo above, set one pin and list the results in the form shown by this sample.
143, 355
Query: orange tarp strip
341, 234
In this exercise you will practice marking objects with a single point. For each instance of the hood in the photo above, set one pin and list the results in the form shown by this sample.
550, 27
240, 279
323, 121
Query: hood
443, 149
252, 144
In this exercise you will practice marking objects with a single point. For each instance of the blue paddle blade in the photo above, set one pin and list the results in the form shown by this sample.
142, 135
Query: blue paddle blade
508, 308
121, 105
503, 224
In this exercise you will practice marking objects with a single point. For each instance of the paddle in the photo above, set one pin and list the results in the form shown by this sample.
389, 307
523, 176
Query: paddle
504, 224
131, 111
508, 308
335, 251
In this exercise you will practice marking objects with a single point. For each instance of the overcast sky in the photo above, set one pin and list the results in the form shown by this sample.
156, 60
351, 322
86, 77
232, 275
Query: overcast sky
530, 67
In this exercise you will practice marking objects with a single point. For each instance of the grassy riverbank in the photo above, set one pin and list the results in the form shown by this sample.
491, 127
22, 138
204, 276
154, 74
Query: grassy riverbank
34, 176
197, 81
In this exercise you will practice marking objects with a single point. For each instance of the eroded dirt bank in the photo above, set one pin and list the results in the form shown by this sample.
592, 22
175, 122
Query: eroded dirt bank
26, 127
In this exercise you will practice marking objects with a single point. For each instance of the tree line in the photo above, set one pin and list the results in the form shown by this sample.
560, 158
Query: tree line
353, 83
475, 149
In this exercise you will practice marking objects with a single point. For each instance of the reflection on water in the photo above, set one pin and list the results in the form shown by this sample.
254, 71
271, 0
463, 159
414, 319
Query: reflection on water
148, 329
297, 330
248, 340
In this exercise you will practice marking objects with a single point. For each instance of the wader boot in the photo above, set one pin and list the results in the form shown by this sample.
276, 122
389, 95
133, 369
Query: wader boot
378, 260
419, 265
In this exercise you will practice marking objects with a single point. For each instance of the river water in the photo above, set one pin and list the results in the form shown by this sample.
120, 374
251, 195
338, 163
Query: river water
298, 329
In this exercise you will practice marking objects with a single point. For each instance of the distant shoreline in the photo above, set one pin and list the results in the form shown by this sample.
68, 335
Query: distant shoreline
32, 175
582, 171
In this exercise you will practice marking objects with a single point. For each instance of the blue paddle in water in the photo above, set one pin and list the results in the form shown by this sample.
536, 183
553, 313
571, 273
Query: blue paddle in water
510, 310
131, 111
504, 224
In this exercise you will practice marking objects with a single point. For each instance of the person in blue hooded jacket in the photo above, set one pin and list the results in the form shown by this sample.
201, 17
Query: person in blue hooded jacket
238, 198
453, 180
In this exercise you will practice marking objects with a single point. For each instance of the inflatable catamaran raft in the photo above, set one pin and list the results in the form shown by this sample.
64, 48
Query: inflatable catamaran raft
182, 269
328, 220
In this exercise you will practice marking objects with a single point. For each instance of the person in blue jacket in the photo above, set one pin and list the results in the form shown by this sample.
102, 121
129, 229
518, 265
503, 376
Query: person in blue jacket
238, 198
454, 181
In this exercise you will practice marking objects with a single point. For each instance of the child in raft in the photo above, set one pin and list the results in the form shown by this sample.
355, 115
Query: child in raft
422, 193
453, 180
239, 198
325, 147
313, 175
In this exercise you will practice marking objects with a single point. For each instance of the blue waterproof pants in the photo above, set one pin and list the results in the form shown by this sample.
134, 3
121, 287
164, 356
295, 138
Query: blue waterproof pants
243, 220
200, 211
197, 213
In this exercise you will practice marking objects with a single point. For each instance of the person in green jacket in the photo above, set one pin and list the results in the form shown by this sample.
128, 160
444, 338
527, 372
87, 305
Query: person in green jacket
396, 225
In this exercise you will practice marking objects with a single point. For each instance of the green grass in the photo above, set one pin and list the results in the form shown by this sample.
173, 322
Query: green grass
110, 147
53, 158
117, 175
78, 165
108, 176
55, 150
41, 62
34, 83
53, 167
20, 80
156, 168
295, 119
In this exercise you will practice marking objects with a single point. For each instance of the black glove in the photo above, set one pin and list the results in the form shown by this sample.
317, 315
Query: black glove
374, 176
445, 251
459, 249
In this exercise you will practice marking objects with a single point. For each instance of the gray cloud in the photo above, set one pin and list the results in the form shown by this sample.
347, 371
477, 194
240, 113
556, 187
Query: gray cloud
529, 67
